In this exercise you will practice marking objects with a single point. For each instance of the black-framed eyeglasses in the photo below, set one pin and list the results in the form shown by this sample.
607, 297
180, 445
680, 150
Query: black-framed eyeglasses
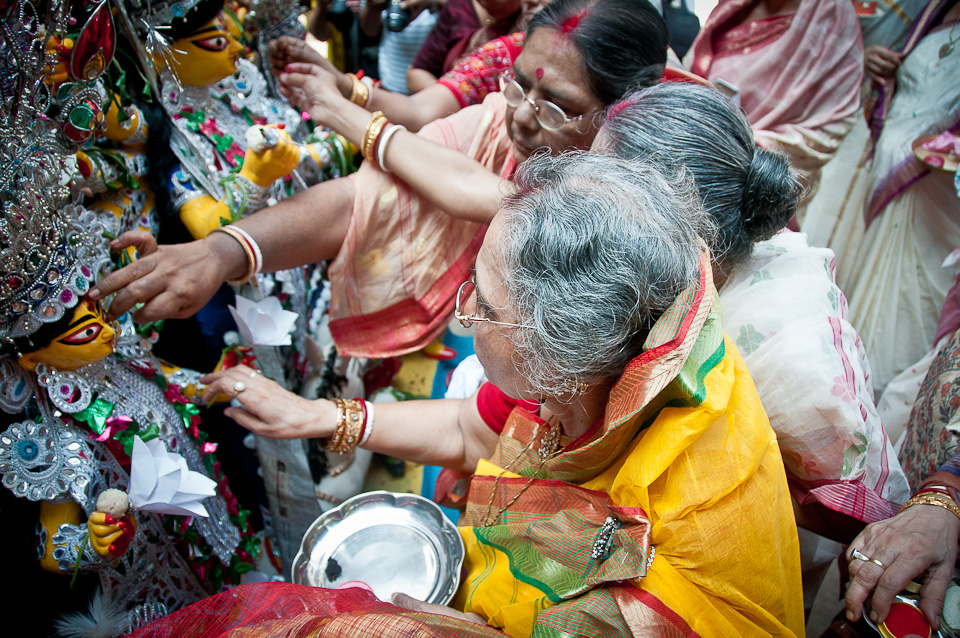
470, 286
549, 115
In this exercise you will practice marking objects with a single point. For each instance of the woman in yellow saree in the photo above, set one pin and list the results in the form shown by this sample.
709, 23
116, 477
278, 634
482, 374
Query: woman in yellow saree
636, 488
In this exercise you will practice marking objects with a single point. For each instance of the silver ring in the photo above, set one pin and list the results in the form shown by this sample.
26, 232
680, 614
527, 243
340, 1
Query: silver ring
254, 374
239, 387
856, 554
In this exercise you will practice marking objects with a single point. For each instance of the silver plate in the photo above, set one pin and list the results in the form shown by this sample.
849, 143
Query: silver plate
392, 542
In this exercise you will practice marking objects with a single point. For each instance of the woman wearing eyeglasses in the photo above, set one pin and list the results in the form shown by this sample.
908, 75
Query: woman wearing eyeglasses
634, 486
398, 256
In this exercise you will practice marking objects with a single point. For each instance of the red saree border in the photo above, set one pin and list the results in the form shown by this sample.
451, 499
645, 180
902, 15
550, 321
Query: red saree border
649, 600
753, 35
850, 497
429, 315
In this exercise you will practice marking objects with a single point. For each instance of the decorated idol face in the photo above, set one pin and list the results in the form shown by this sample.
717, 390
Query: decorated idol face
87, 338
206, 56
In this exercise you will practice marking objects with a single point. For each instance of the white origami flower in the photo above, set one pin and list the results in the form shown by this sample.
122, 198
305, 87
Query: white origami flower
161, 482
263, 323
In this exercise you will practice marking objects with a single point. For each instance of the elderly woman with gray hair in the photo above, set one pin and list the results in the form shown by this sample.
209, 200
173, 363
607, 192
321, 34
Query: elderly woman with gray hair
622, 428
783, 309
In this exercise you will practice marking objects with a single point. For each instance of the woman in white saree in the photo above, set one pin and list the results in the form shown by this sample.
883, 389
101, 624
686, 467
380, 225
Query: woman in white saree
895, 283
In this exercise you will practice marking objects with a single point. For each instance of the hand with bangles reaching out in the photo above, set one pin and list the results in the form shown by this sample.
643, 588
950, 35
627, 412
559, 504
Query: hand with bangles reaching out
267, 408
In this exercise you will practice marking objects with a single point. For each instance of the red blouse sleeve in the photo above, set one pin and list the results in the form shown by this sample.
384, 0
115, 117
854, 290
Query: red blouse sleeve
477, 75
495, 406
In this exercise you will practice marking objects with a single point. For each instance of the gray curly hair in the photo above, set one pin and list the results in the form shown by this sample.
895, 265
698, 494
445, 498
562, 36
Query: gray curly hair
595, 249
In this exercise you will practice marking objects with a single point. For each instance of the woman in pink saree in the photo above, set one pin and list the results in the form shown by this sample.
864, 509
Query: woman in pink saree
796, 68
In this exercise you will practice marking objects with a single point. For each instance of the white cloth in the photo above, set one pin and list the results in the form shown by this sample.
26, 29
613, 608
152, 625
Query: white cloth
788, 319
834, 217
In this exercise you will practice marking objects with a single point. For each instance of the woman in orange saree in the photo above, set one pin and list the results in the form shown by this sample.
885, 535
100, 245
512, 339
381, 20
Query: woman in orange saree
636, 488
399, 255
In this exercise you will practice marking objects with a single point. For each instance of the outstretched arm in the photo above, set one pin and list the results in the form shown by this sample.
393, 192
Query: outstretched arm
458, 184
446, 432
177, 280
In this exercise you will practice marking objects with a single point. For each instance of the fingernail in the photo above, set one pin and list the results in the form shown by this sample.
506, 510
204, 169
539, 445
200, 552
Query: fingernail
94, 293
874, 616
850, 614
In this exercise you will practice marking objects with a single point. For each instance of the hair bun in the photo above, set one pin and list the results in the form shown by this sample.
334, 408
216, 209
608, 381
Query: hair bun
770, 195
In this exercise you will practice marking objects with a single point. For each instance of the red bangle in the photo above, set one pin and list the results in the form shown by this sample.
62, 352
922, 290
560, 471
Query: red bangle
363, 409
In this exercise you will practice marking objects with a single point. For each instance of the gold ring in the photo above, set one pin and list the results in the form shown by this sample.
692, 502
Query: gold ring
239, 387
858, 555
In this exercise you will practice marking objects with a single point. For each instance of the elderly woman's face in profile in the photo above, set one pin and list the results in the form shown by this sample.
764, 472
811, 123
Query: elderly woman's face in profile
549, 68
492, 342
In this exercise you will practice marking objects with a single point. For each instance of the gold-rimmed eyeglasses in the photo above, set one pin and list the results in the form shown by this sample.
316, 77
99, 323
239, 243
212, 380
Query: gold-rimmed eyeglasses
470, 287
549, 115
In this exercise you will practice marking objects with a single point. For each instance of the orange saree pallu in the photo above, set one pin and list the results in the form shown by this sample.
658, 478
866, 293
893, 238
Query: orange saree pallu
394, 281
702, 541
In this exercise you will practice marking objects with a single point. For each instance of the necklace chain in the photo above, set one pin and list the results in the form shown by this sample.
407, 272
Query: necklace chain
548, 449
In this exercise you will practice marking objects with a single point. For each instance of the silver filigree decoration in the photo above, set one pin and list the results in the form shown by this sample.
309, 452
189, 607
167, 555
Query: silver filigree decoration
68, 391
44, 461
15, 386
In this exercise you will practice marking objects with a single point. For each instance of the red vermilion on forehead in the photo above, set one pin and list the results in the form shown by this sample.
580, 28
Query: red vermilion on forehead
571, 23
539, 73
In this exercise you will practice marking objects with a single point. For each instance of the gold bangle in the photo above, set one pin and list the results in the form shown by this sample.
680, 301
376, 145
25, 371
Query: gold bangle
370, 135
251, 258
369, 143
359, 93
352, 423
937, 500
354, 410
337, 437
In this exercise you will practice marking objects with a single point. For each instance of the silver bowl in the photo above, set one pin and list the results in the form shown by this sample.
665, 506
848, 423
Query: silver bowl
392, 542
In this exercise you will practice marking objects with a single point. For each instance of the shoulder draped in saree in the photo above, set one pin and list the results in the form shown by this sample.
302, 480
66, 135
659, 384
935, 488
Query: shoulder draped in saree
394, 281
685, 460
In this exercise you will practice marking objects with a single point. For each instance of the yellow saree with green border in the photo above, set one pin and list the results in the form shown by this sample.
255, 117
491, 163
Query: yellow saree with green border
671, 518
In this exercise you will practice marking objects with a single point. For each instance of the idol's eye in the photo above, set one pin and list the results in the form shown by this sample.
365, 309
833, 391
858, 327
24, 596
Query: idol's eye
216, 43
83, 335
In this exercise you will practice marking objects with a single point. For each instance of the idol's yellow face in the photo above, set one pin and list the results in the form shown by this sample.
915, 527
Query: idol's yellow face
206, 56
87, 339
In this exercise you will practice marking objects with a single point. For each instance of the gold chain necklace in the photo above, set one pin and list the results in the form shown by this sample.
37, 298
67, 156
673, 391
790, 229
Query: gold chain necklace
548, 449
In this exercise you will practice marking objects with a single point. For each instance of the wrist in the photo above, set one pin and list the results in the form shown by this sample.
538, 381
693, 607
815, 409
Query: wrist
324, 419
249, 174
344, 85
231, 258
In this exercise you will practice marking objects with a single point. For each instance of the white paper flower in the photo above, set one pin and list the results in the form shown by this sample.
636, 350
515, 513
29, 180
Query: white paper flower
161, 482
263, 323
